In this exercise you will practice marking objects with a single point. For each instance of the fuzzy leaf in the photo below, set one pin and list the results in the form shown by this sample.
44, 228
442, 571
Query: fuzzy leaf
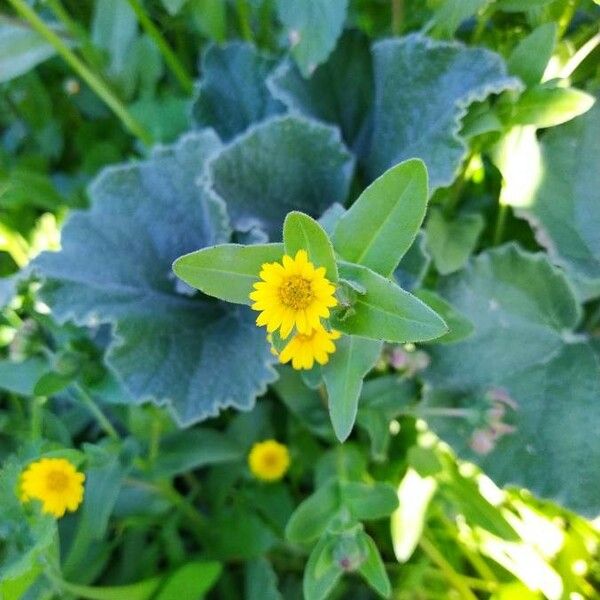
313, 29
382, 224
524, 314
115, 267
301, 232
564, 206
422, 90
286, 163
348, 67
386, 311
232, 94
226, 271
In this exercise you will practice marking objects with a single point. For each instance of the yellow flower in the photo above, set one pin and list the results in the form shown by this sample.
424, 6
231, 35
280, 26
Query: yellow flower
55, 482
292, 292
304, 349
269, 460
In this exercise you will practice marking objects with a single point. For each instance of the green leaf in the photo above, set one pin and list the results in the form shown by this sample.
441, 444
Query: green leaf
322, 571
407, 522
21, 377
386, 312
227, 271
524, 313
209, 16
115, 267
51, 383
301, 232
414, 264
520, 6
459, 326
368, 501
311, 518
451, 13
306, 166
232, 94
382, 224
373, 569
353, 359
142, 590
192, 580
192, 449
261, 581
410, 74
530, 56
173, 6
348, 67
312, 29
564, 205
452, 242
549, 106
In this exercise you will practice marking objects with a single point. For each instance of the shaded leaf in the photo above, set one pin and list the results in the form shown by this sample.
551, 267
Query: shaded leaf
530, 56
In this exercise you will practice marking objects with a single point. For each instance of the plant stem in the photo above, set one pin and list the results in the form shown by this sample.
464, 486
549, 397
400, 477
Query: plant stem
500, 223
36, 417
243, 11
170, 57
446, 568
397, 16
91, 405
95, 83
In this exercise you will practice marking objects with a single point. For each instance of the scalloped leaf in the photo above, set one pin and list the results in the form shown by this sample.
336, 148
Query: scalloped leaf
564, 206
348, 67
422, 90
232, 94
313, 29
285, 163
524, 312
115, 267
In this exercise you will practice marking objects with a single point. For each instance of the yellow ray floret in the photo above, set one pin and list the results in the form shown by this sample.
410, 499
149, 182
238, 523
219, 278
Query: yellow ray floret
292, 293
55, 482
304, 349
269, 460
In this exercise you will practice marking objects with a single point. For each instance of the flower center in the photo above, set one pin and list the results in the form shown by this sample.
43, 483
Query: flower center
57, 481
296, 292
270, 460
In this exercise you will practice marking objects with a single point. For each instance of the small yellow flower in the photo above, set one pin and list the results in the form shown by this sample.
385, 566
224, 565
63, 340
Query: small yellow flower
292, 293
304, 349
269, 460
55, 482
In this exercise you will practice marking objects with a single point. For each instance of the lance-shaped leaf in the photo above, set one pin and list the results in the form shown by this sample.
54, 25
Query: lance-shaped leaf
524, 313
195, 354
348, 67
564, 206
353, 359
386, 311
313, 29
301, 232
382, 224
530, 56
226, 271
232, 94
422, 90
285, 163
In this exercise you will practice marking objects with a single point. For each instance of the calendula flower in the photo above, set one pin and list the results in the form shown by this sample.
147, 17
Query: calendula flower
269, 460
55, 482
292, 293
306, 348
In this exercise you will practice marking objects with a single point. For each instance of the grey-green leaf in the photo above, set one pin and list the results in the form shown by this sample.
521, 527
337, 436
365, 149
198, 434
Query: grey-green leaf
285, 163
373, 569
353, 359
422, 90
312, 29
382, 224
386, 311
301, 232
232, 94
524, 313
226, 271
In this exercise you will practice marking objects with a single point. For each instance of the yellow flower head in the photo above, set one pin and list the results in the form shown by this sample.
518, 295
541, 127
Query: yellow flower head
305, 348
55, 482
292, 292
269, 460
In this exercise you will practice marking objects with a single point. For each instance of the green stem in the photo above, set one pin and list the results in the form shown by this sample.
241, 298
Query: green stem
566, 17
447, 570
243, 11
37, 403
170, 57
397, 16
500, 223
91, 405
95, 83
